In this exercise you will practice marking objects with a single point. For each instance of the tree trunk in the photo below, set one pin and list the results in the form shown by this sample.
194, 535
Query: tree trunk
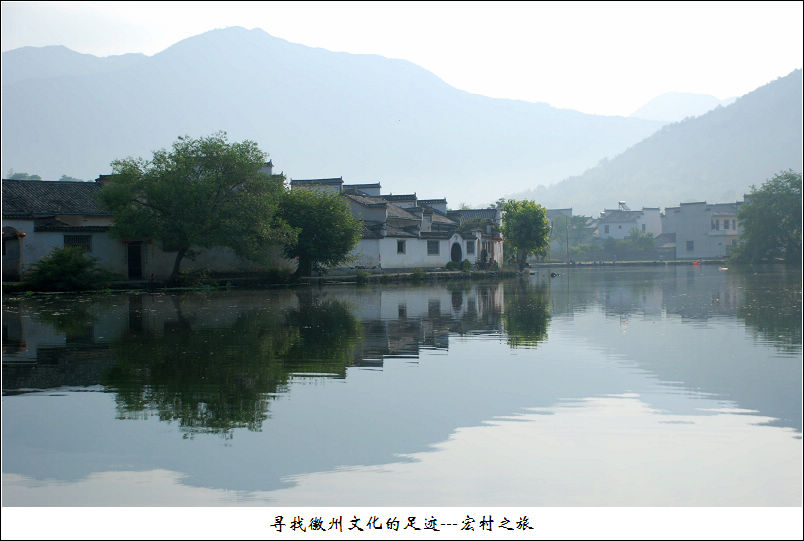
304, 268
174, 274
522, 260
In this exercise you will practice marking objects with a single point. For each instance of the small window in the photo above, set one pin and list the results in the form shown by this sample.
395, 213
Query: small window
78, 241
643, 228
725, 224
606, 229
433, 247
690, 245
734, 224
470, 247
400, 246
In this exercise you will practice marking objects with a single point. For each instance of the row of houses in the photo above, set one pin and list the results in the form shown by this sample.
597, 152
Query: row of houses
399, 231
689, 231
402, 231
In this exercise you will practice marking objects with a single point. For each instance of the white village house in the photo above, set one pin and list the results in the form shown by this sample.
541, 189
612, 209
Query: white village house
39, 216
405, 232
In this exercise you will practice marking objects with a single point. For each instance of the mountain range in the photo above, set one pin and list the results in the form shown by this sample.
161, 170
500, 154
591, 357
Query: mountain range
318, 113
715, 157
366, 118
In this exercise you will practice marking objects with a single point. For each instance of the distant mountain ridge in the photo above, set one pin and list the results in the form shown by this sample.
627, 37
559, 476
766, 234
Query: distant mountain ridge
715, 157
676, 106
318, 113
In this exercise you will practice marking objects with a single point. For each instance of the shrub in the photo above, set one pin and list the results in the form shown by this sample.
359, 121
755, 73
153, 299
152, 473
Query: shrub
466, 265
67, 269
418, 274
452, 265
361, 277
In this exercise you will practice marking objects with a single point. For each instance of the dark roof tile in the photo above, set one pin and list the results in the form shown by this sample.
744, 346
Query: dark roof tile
29, 198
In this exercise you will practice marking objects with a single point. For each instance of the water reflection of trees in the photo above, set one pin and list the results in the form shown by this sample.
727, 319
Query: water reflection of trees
767, 299
527, 313
771, 307
222, 378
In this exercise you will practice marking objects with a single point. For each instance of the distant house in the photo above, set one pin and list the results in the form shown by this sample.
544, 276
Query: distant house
701, 229
403, 232
618, 223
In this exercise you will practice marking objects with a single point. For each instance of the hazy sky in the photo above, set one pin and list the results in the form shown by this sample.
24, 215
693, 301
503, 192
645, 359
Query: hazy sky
595, 57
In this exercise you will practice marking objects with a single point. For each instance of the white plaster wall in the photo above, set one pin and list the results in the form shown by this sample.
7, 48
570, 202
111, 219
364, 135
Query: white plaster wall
371, 253
694, 224
109, 252
216, 260
617, 230
652, 220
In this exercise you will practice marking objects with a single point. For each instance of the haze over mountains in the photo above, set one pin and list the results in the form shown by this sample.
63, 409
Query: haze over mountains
676, 106
369, 118
715, 157
318, 113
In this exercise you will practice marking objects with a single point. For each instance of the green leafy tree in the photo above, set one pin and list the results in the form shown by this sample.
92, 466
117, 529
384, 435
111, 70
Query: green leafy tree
771, 221
640, 241
65, 178
568, 231
326, 231
526, 227
66, 269
203, 193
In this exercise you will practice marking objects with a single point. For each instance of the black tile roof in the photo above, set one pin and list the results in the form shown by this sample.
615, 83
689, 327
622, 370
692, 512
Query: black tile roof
327, 181
360, 186
401, 197
470, 214
29, 198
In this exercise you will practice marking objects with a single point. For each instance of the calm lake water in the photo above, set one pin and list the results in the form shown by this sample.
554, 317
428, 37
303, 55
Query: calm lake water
655, 386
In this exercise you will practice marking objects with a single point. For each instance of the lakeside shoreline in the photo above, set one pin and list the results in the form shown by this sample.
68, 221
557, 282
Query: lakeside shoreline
260, 281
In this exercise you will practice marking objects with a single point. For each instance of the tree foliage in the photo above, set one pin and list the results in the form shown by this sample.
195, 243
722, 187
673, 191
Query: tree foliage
771, 221
67, 269
202, 193
325, 229
22, 176
568, 231
526, 227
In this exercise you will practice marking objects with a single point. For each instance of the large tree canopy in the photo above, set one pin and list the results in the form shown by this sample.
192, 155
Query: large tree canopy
202, 193
771, 220
526, 227
326, 230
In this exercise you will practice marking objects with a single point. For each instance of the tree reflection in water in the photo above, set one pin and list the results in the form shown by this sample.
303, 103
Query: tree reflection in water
213, 380
527, 313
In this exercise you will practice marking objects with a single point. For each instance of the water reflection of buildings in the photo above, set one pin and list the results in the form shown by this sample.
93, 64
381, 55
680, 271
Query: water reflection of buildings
692, 292
714, 359
70, 341
399, 322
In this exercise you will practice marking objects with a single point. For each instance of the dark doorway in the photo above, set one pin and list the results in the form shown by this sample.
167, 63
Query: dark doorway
135, 261
457, 253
